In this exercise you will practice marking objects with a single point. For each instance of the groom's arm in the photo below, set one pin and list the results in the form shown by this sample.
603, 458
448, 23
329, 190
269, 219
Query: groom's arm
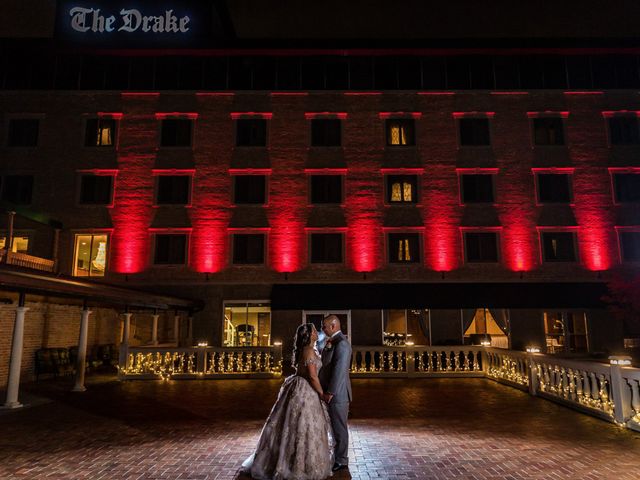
340, 371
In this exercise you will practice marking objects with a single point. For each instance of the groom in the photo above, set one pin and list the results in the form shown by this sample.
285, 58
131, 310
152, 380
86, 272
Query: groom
334, 378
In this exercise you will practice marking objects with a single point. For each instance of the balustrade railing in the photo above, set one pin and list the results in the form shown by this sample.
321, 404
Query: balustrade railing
416, 361
193, 362
26, 261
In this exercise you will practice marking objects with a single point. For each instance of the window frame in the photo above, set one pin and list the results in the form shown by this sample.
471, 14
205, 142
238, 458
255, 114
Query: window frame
619, 231
115, 116
497, 231
407, 117
186, 232
40, 117
417, 231
566, 334
326, 231
232, 232
248, 304
247, 172
325, 172
157, 173
488, 116
3, 180
314, 116
573, 230
29, 234
108, 232
239, 116
477, 171
608, 115
569, 172
190, 116
562, 115
416, 184
96, 173
621, 170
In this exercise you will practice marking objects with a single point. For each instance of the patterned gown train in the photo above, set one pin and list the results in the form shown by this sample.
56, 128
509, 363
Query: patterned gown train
296, 441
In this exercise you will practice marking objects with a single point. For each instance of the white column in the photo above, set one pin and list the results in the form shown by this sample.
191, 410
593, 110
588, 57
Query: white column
81, 363
154, 329
176, 329
190, 331
124, 346
13, 386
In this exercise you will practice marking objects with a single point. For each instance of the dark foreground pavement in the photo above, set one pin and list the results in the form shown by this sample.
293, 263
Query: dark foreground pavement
418, 428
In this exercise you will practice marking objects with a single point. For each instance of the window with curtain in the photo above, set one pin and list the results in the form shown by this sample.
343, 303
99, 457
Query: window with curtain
558, 246
402, 188
400, 132
404, 247
100, 132
486, 324
406, 327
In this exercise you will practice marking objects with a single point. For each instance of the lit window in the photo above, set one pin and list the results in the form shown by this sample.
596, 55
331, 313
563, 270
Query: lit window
548, 131
18, 244
23, 132
477, 188
96, 189
406, 327
630, 245
486, 325
170, 249
403, 247
100, 132
251, 132
248, 249
626, 187
558, 246
402, 188
623, 130
566, 332
326, 248
176, 132
247, 324
400, 132
90, 258
481, 247
474, 131
554, 188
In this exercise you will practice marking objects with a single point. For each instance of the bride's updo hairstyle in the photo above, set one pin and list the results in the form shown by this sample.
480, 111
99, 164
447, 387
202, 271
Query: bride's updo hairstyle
301, 340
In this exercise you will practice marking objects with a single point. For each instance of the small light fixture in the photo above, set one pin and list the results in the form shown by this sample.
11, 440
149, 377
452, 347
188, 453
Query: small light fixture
409, 344
203, 344
533, 350
623, 361
485, 343
277, 344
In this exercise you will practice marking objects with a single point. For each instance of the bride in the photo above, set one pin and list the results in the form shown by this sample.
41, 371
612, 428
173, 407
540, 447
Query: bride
296, 441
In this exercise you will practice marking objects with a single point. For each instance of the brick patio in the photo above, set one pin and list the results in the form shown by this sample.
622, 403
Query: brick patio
429, 428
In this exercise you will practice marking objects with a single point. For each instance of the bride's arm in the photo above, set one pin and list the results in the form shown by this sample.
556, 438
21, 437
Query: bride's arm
309, 360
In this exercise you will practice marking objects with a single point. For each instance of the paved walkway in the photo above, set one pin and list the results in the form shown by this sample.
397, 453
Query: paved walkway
400, 429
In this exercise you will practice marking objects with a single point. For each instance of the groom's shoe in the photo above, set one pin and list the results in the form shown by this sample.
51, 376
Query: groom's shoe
338, 466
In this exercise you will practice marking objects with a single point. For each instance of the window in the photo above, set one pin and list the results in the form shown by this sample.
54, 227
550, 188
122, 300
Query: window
630, 246
623, 130
474, 131
96, 189
173, 189
170, 249
477, 188
90, 257
17, 189
251, 132
406, 327
176, 132
23, 132
326, 189
566, 332
402, 188
326, 248
247, 324
248, 248
18, 244
486, 324
100, 132
249, 189
481, 247
325, 132
400, 132
626, 187
558, 246
404, 247
554, 188
548, 131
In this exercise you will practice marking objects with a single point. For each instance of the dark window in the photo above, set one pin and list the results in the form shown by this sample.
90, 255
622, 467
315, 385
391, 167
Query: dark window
251, 132
548, 131
326, 189
176, 132
248, 248
627, 187
554, 188
623, 130
23, 132
325, 132
477, 188
558, 247
100, 132
96, 189
326, 248
402, 189
173, 190
400, 132
474, 131
17, 189
171, 249
404, 248
630, 244
481, 246
249, 189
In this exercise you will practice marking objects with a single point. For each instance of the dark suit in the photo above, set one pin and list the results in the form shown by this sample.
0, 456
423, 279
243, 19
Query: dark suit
334, 378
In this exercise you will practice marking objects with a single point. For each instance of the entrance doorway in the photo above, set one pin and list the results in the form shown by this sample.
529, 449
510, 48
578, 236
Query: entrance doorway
316, 316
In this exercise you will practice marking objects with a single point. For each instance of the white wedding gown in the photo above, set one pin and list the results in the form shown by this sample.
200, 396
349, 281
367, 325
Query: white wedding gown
296, 441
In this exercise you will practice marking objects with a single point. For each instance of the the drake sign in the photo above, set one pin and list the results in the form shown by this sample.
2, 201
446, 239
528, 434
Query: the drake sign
129, 20
135, 23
